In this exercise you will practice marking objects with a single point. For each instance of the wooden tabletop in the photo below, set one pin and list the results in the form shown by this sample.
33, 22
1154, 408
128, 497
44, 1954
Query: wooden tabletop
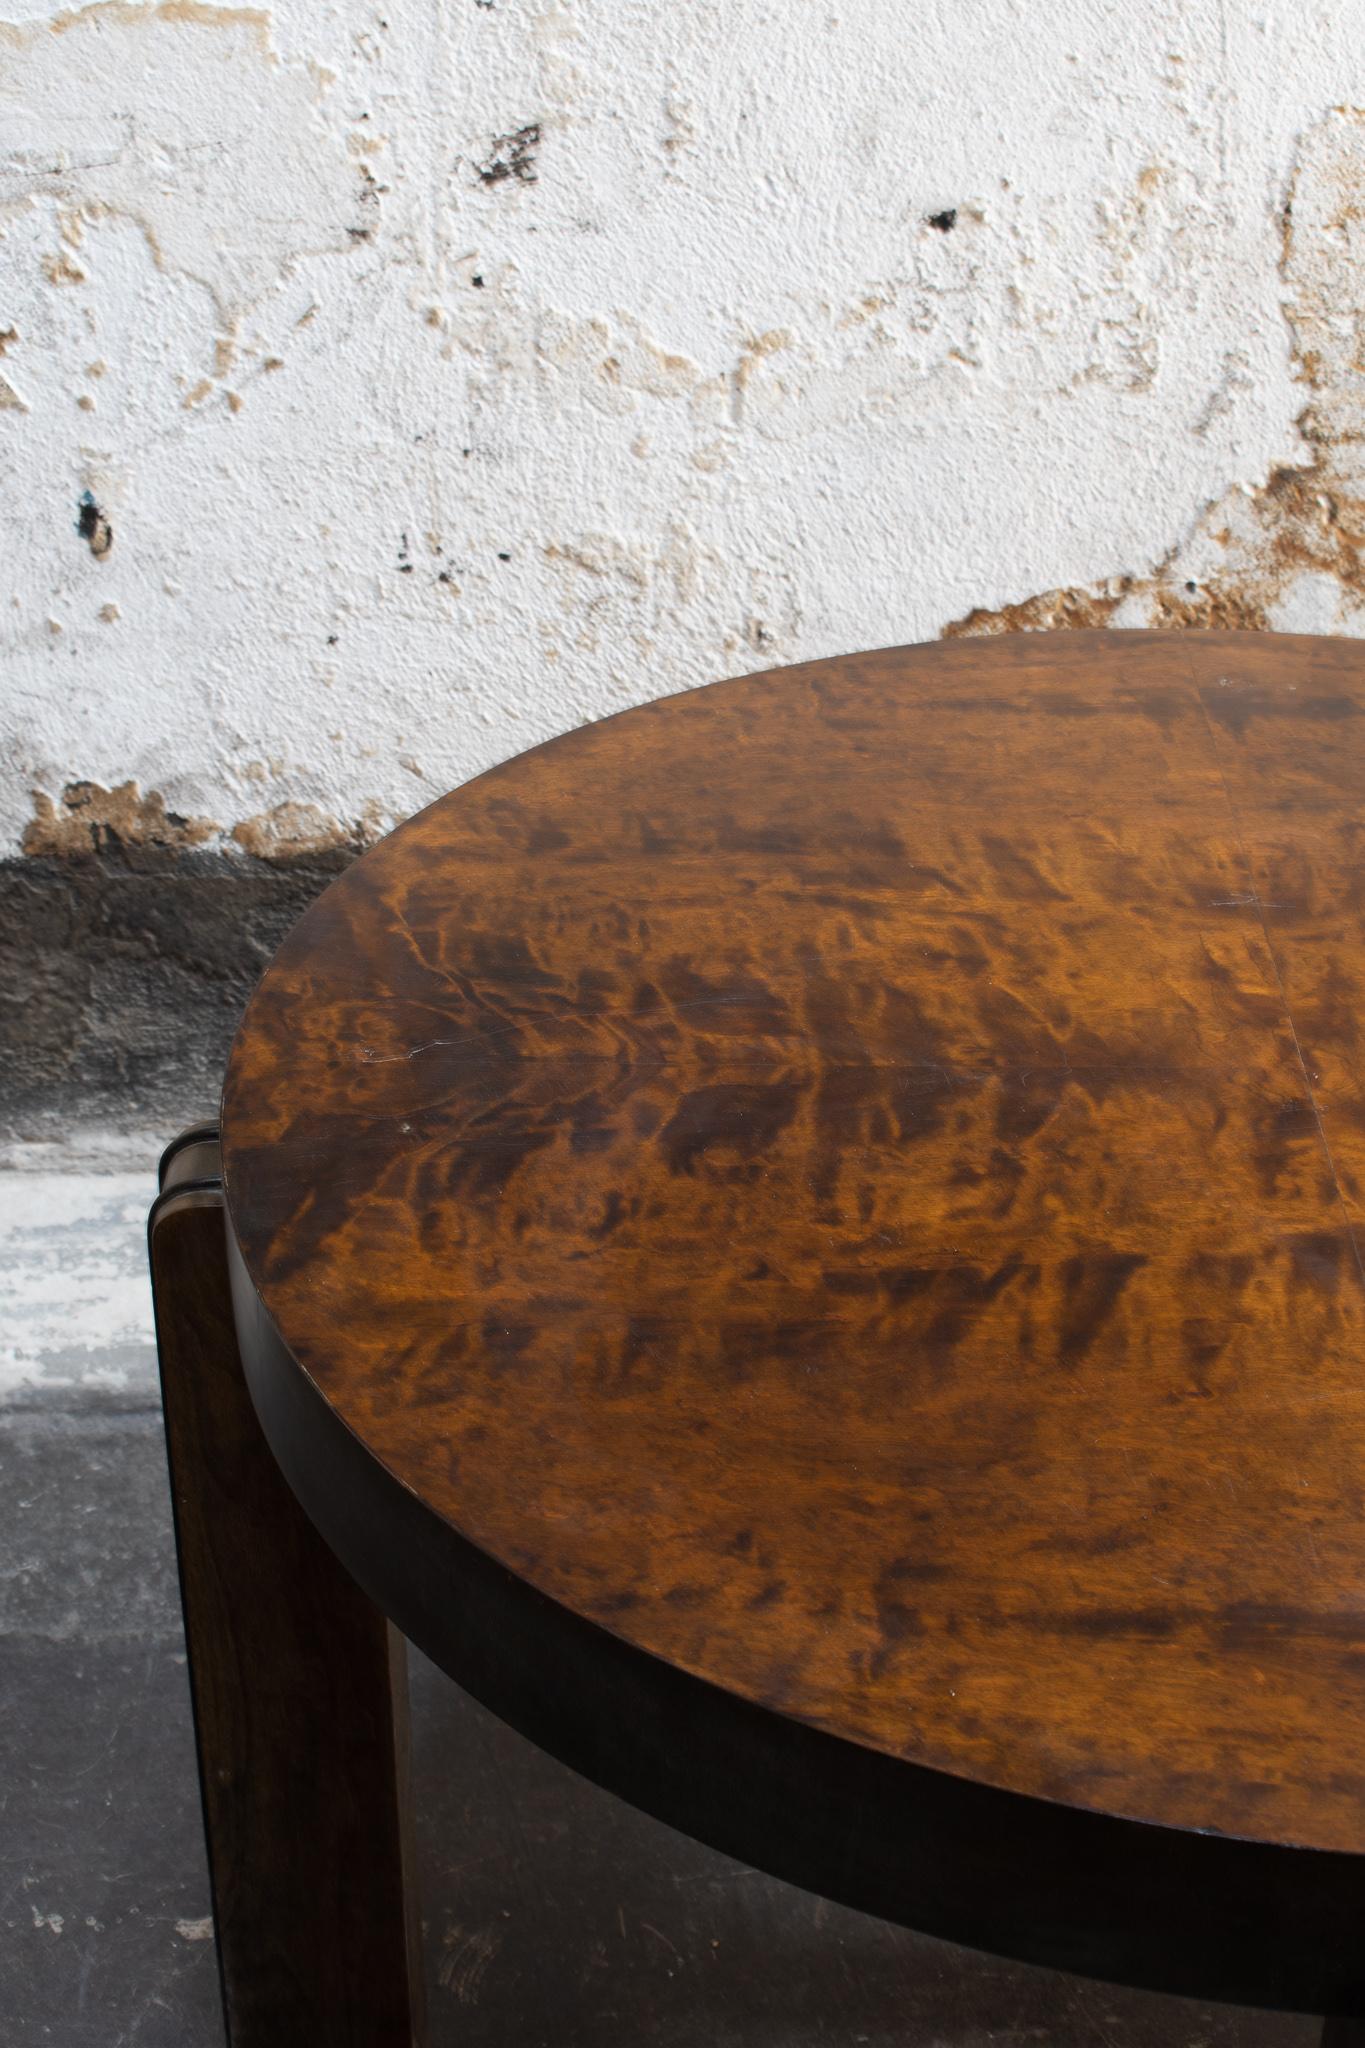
849, 1180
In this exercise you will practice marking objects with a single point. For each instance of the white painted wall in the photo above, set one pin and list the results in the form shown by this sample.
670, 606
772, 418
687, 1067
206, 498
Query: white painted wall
406, 469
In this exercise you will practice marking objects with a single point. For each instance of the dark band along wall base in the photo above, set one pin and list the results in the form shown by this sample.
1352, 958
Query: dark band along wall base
123, 972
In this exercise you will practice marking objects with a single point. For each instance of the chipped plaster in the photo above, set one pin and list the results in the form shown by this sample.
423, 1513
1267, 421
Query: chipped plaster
1283, 554
383, 393
90, 819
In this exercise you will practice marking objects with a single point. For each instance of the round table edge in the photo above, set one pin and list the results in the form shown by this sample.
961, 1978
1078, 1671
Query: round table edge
1191, 1912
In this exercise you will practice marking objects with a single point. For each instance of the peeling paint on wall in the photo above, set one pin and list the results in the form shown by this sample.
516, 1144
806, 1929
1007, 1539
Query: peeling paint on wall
291, 830
89, 819
211, 148
1285, 554
379, 397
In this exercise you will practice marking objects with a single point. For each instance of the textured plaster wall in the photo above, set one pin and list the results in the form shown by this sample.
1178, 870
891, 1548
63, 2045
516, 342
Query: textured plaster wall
386, 386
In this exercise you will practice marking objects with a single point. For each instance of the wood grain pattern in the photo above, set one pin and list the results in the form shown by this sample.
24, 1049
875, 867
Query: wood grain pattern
298, 1681
850, 1180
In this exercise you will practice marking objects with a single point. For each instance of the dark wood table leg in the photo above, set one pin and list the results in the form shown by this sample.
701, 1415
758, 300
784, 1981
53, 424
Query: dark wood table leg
300, 1700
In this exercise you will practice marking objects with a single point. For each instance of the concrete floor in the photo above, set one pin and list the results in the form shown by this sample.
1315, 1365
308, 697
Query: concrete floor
553, 1914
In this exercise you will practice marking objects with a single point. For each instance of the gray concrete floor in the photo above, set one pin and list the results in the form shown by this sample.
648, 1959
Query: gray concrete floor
553, 1914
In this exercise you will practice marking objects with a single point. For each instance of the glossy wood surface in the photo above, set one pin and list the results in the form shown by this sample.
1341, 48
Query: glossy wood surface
848, 1181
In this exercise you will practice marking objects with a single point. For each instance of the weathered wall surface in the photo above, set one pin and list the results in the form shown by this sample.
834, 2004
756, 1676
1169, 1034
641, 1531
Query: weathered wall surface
384, 388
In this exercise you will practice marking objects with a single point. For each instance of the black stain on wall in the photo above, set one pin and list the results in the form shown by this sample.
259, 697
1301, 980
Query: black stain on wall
511, 156
93, 526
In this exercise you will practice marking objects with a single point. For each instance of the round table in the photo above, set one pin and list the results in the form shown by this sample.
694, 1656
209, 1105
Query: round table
804, 1242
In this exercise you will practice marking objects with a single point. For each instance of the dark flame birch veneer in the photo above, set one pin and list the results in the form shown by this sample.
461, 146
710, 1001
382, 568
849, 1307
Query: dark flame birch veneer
805, 1242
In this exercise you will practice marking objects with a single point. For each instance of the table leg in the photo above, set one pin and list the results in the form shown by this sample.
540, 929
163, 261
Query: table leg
300, 1701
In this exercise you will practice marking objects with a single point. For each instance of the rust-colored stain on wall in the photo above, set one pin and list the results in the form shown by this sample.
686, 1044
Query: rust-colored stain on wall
92, 819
